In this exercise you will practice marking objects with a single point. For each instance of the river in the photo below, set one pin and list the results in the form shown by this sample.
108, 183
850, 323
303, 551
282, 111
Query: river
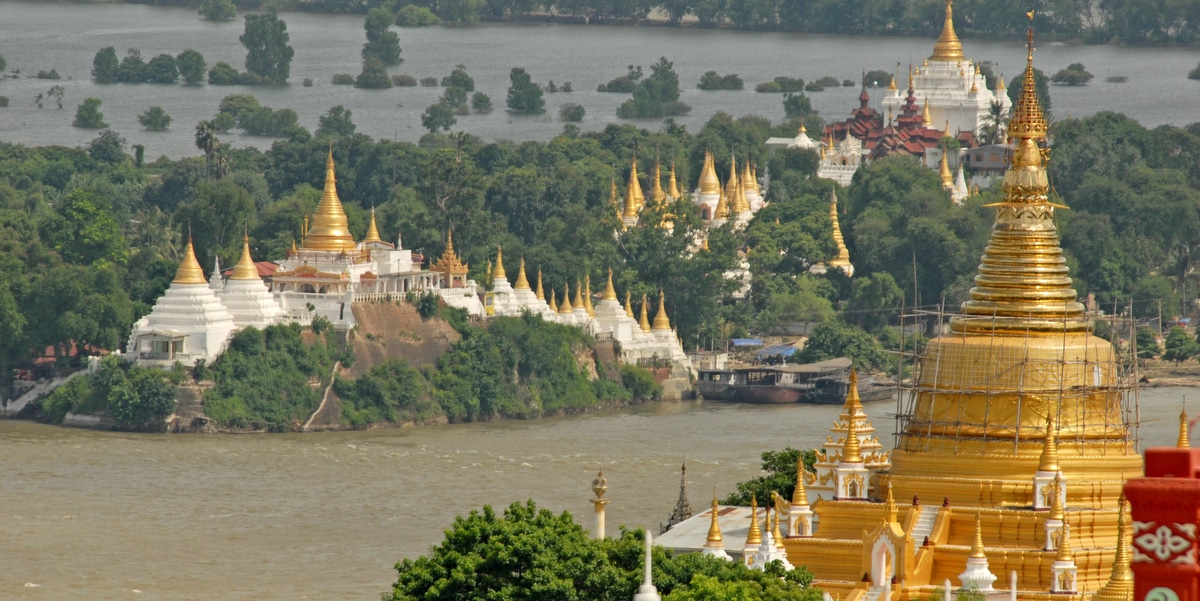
325, 516
65, 36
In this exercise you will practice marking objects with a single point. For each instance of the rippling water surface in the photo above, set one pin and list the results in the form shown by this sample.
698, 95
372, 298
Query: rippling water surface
325, 516
45, 35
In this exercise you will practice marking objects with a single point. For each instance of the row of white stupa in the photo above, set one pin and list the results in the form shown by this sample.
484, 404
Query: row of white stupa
639, 339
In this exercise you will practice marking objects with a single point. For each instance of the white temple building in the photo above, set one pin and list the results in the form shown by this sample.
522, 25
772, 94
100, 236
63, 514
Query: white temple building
247, 297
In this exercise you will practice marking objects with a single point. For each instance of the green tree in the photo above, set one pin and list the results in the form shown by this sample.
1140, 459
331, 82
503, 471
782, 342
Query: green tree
834, 339
1147, 343
143, 401
222, 74
571, 112
268, 53
206, 140
374, 76
458, 78
481, 103
797, 105
108, 147
217, 10
382, 44
335, 123
88, 115
438, 116
84, 232
1074, 75
162, 69
13, 348
874, 300
524, 96
155, 119
132, 68
106, 67
1179, 346
1041, 82
780, 468
191, 66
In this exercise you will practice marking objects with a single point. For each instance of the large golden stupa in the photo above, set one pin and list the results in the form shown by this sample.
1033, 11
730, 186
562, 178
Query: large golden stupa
1012, 442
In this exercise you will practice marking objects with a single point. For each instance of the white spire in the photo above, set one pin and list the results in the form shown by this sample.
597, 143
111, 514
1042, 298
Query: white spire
647, 592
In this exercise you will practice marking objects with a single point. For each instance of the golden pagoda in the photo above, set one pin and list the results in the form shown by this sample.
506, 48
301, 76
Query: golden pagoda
731, 186
633, 190
661, 322
750, 179
329, 230
245, 268
673, 185
610, 293
522, 281
565, 307
643, 320
628, 305
587, 296
578, 303
926, 117
553, 302
722, 210
189, 271
539, 294
709, 184
948, 47
452, 268
944, 171
657, 194
498, 271
842, 260
1018, 373
372, 230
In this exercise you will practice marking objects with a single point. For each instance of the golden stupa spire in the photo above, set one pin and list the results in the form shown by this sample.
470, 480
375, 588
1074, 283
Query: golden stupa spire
1057, 511
892, 85
850, 449
673, 184
660, 319
775, 533
553, 302
722, 209
566, 307
613, 199
1064, 546
709, 184
948, 47
944, 170
754, 536
853, 404
578, 302
843, 255
522, 282
245, 269
643, 321
587, 295
498, 272
926, 117
1183, 442
1000, 87
977, 546
540, 295
748, 180
189, 271
329, 230
890, 511
628, 304
656, 191
610, 293
1049, 459
372, 230
1120, 585
731, 185
714, 529
633, 190
800, 495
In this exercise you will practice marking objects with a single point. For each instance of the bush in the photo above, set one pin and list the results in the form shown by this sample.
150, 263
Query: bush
768, 87
3, 101
877, 78
429, 82
640, 383
51, 74
374, 76
796, 105
88, 115
712, 81
676, 108
566, 88
308, 82
619, 85
343, 79
427, 304
415, 16
789, 84
814, 87
404, 81
571, 112
1194, 73
222, 74
155, 119
162, 69
828, 81
481, 103
223, 122
191, 66
847, 83
389, 392
247, 78
132, 68
524, 96
217, 10
1074, 75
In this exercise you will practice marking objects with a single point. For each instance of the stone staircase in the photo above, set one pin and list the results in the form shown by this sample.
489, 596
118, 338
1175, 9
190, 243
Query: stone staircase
924, 525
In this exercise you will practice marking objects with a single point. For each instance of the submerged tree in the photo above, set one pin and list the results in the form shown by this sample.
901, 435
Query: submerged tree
268, 54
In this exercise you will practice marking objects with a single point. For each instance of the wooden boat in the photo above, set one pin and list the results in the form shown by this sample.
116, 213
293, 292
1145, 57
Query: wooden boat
832, 390
768, 384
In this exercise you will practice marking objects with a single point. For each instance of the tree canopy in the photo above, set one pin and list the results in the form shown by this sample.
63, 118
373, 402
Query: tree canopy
268, 55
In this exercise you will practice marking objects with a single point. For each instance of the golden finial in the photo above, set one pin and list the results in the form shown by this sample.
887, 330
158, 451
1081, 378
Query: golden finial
948, 47
540, 295
673, 184
578, 302
566, 307
189, 271
1183, 441
714, 529
633, 191
1120, 585
890, 512
628, 305
660, 319
754, 536
842, 259
926, 117
800, 495
656, 191
731, 184
294, 251
749, 182
850, 449
610, 293
977, 546
1049, 459
1000, 87
553, 302
1057, 511
372, 230
944, 170
1028, 120
709, 184
498, 272
587, 295
245, 268
1064, 547
892, 84
522, 283
910, 78
853, 404
775, 533
643, 321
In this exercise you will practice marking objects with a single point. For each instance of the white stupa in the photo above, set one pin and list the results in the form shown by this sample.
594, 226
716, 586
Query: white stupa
188, 323
246, 296
504, 300
611, 316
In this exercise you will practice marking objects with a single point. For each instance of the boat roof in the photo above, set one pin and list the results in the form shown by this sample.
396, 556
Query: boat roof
807, 368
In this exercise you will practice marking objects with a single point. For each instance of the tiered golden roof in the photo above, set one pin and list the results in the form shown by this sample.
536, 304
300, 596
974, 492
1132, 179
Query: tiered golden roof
189, 271
330, 230
372, 230
522, 282
709, 184
660, 319
948, 47
245, 268
449, 263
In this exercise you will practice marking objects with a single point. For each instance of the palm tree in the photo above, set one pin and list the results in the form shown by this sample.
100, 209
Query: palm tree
206, 140
992, 131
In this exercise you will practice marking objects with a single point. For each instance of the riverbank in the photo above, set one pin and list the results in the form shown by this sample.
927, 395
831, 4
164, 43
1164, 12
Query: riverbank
1160, 374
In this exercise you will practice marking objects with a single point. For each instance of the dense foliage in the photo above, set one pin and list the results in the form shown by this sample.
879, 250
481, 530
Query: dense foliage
136, 398
531, 554
780, 477
268, 56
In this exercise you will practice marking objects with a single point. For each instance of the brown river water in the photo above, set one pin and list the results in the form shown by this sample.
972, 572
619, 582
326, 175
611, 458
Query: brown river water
326, 516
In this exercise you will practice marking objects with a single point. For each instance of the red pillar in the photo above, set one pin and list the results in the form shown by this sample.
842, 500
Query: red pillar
1165, 507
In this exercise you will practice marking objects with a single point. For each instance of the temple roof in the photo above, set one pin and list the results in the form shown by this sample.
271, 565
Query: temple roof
449, 263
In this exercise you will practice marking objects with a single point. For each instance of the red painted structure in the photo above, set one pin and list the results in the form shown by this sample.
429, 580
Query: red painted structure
1165, 507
